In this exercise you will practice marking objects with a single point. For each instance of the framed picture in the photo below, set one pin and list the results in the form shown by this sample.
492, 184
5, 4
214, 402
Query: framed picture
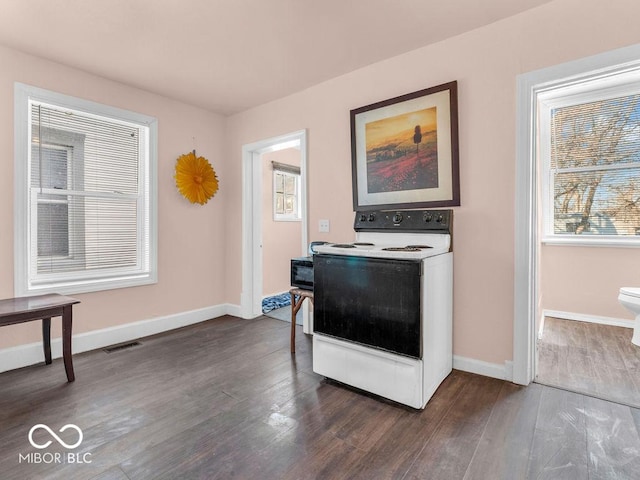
404, 151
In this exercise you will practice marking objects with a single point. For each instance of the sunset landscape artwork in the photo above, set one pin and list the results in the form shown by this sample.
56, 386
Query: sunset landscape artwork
402, 152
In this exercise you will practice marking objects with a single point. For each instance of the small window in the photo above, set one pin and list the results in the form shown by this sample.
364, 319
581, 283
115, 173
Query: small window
85, 198
590, 153
286, 193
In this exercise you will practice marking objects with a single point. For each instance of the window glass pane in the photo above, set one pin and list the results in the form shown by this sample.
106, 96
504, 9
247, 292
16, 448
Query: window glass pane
53, 229
110, 148
594, 193
598, 202
290, 202
279, 182
279, 203
54, 166
290, 184
596, 134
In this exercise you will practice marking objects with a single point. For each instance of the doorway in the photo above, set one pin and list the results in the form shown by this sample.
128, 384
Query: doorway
253, 211
529, 306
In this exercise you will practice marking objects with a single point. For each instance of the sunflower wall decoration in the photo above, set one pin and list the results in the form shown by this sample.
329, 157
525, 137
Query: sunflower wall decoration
195, 178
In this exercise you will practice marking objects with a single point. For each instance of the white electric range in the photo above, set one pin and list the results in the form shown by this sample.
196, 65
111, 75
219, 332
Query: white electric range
383, 305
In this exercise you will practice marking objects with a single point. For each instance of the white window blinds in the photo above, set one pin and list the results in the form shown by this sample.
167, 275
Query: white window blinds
595, 167
88, 200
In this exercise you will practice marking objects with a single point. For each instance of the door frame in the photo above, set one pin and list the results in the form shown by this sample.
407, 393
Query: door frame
251, 296
526, 274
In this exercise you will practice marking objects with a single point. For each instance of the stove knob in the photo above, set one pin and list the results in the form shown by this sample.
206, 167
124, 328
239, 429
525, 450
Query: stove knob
372, 217
397, 218
428, 217
440, 219
363, 217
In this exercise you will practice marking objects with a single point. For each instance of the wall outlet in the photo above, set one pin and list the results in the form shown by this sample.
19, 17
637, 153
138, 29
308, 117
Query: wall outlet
323, 226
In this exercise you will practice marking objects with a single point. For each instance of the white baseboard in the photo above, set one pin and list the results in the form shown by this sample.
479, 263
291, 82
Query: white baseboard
32, 353
493, 370
235, 310
581, 317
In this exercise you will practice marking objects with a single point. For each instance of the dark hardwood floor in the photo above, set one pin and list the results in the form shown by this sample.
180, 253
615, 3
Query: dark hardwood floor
225, 399
590, 358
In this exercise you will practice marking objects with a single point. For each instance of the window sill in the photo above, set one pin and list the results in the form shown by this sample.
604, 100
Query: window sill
87, 286
591, 241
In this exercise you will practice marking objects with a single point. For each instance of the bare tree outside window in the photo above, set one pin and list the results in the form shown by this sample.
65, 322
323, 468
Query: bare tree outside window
595, 167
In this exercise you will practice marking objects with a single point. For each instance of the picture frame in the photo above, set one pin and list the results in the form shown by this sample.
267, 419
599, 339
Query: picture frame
404, 151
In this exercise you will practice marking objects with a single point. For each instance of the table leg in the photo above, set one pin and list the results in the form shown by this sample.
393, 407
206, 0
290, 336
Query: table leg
293, 322
46, 339
67, 320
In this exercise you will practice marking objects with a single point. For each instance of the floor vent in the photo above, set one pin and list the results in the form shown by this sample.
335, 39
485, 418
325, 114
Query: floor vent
121, 346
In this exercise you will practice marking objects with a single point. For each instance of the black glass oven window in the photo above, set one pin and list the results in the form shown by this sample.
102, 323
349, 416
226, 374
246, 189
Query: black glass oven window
372, 301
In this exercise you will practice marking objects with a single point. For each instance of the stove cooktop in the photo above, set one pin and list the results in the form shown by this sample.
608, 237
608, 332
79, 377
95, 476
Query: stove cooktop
408, 234
388, 248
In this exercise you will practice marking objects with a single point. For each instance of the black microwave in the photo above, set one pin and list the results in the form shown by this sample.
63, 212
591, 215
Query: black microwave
302, 273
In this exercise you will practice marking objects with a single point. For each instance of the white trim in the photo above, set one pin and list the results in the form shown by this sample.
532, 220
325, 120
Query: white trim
31, 354
146, 273
233, 310
541, 328
526, 243
592, 241
250, 298
525, 288
493, 370
583, 317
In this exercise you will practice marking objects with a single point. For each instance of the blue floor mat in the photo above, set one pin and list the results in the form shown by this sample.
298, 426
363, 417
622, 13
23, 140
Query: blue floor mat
277, 301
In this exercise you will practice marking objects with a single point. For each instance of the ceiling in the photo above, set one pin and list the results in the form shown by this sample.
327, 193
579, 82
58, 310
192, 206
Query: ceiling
231, 55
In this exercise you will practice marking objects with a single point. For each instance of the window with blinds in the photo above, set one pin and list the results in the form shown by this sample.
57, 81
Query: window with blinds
87, 194
591, 156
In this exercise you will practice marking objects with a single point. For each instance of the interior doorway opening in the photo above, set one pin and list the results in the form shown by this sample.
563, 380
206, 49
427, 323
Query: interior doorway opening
253, 212
530, 198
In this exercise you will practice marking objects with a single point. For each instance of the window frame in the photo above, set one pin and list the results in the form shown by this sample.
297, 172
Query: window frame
79, 282
596, 86
286, 217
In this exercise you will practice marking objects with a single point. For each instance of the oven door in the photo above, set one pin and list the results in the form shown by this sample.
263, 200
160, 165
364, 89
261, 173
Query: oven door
371, 301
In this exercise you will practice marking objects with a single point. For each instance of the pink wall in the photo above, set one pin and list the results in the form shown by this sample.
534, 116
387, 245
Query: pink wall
281, 241
200, 256
191, 259
586, 280
485, 62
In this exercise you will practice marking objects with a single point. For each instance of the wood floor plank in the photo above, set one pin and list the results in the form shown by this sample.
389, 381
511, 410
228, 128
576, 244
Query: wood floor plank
114, 473
226, 399
393, 454
559, 449
505, 445
613, 443
448, 452
590, 358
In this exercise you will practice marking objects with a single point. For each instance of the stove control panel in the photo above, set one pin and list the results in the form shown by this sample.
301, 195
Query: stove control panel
435, 221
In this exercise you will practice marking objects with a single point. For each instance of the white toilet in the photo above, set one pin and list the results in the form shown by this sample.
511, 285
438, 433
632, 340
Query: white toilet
630, 298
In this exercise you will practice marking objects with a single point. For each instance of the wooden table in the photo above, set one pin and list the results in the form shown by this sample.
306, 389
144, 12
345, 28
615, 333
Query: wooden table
295, 306
43, 307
